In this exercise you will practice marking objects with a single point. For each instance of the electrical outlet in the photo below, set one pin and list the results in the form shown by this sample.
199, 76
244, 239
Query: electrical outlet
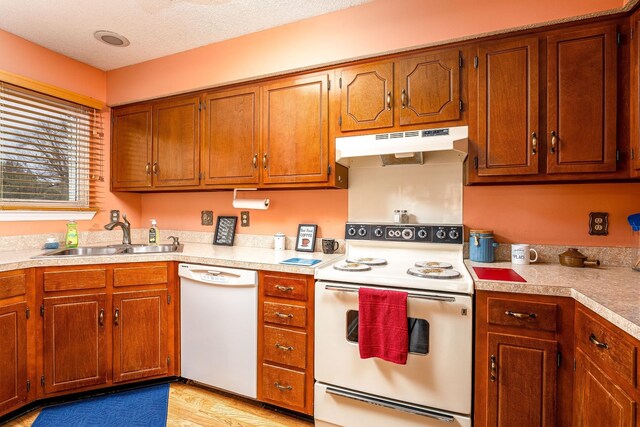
598, 223
244, 219
206, 217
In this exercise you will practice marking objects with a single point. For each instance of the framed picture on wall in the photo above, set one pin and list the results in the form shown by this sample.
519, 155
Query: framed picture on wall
306, 241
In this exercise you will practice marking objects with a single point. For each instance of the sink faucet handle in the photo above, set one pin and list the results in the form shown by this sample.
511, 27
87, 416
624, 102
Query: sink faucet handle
176, 240
125, 220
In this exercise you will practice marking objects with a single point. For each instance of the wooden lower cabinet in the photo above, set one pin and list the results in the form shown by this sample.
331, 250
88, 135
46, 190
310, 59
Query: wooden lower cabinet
285, 340
523, 369
74, 342
139, 334
13, 356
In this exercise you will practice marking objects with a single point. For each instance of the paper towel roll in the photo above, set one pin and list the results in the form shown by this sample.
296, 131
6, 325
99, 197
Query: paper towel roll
251, 203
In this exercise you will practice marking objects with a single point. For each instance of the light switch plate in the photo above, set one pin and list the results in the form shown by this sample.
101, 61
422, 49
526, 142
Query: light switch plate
598, 223
244, 219
206, 217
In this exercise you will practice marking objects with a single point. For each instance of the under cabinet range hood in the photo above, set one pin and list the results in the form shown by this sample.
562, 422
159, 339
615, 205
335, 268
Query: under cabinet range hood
445, 145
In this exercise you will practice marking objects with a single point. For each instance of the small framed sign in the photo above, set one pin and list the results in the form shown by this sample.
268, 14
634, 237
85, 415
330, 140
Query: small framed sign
225, 230
306, 241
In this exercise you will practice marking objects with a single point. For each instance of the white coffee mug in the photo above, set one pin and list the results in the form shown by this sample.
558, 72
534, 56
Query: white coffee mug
522, 254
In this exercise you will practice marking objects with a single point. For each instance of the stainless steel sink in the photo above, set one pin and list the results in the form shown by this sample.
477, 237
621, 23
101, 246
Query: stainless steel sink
111, 250
153, 249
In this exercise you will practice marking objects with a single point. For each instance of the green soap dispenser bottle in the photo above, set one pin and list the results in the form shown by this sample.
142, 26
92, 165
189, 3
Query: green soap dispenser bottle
71, 239
153, 233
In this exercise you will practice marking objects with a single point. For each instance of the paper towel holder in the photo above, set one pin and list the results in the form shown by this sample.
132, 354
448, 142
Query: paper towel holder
249, 203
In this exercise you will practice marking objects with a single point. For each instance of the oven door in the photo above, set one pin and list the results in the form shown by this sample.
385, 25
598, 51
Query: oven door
438, 370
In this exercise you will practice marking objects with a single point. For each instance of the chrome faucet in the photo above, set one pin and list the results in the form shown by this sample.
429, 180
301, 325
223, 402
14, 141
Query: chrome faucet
125, 225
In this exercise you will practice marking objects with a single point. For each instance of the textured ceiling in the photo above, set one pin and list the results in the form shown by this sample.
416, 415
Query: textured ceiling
155, 28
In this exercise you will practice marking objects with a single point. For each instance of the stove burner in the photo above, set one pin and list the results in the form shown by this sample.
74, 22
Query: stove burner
433, 264
434, 273
351, 266
367, 261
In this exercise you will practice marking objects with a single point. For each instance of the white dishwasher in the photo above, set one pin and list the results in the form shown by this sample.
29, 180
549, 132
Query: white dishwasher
219, 327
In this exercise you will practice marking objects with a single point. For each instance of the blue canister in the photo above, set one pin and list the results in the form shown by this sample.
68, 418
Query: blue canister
481, 245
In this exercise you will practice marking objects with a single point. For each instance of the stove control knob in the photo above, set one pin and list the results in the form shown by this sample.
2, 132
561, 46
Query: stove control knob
441, 234
453, 234
378, 232
351, 231
362, 232
422, 234
407, 234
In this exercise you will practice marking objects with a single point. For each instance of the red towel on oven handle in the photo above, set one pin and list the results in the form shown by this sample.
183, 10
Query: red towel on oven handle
382, 325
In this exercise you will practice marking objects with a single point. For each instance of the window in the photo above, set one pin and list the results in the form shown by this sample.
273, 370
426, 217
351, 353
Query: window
51, 153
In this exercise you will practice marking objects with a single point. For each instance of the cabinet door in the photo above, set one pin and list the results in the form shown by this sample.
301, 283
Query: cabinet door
139, 334
295, 136
232, 137
13, 356
598, 401
522, 381
508, 127
429, 88
366, 96
176, 143
581, 87
74, 342
131, 147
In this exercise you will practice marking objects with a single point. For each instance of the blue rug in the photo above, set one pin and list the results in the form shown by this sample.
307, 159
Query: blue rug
145, 407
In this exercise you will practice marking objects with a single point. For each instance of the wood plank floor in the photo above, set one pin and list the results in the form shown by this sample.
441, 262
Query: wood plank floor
191, 406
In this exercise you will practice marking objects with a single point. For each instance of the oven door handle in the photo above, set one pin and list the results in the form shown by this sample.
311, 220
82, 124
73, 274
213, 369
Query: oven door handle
378, 401
441, 298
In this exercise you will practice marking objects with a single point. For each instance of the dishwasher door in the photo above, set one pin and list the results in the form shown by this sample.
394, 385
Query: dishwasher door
219, 327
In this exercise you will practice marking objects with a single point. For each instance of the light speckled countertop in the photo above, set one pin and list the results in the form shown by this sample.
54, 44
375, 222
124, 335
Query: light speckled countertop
196, 253
612, 292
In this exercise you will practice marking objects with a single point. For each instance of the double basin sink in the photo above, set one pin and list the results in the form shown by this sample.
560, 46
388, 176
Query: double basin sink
112, 250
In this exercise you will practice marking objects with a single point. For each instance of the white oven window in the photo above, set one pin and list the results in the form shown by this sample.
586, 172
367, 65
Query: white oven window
418, 332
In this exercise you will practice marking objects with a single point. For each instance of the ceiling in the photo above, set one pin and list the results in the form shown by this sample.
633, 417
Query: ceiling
155, 28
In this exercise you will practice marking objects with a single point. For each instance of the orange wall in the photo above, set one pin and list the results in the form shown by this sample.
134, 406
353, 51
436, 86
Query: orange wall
27, 59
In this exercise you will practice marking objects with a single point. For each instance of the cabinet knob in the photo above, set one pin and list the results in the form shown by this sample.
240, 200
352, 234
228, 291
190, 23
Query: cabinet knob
283, 315
101, 317
264, 161
116, 317
255, 161
494, 368
554, 141
521, 315
155, 168
284, 288
534, 143
282, 387
284, 347
147, 168
388, 100
403, 98
595, 342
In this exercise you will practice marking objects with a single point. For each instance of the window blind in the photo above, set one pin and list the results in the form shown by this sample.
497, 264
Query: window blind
51, 151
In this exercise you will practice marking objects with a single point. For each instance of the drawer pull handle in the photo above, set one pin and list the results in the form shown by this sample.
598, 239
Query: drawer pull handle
521, 315
101, 317
284, 347
600, 344
284, 288
284, 316
492, 375
283, 387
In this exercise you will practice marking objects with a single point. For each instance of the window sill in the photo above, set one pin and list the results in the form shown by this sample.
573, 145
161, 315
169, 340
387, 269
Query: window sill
27, 215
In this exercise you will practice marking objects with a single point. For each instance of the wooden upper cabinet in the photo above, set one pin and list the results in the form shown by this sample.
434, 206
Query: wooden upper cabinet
295, 138
508, 105
366, 96
13, 356
74, 342
139, 334
522, 381
176, 143
131, 147
581, 96
429, 88
231, 142
598, 400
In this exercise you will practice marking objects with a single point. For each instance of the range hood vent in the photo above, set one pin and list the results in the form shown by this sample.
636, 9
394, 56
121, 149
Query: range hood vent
446, 145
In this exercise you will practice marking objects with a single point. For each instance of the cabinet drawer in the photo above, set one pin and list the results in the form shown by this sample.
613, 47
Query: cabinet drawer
140, 275
606, 346
522, 314
64, 280
285, 287
12, 284
285, 314
285, 347
283, 385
